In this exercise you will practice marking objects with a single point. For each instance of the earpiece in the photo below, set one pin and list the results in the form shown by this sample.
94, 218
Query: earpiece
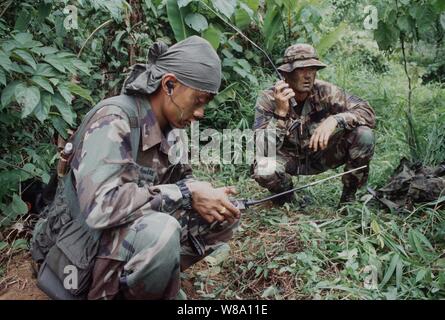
170, 87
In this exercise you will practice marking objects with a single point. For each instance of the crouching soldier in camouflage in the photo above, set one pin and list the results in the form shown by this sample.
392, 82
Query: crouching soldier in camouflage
150, 217
327, 128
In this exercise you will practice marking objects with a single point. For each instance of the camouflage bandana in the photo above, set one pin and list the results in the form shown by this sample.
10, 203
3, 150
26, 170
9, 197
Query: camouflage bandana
193, 61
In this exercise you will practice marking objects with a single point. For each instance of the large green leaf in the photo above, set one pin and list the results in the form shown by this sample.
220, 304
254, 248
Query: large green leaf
253, 4
65, 92
27, 98
226, 7
331, 38
272, 25
81, 92
43, 107
60, 125
24, 39
243, 16
8, 93
43, 83
176, 17
391, 268
2, 77
55, 61
45, 70
386, 36
5, 62
212, 35
26, 57
196, 21
183, 3
18, 207
45, 50
64, 108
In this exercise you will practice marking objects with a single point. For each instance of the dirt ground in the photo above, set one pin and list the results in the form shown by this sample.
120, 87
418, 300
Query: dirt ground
19, 282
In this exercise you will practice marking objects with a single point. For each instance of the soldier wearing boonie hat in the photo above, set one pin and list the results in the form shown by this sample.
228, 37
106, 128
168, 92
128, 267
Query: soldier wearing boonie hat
328, 127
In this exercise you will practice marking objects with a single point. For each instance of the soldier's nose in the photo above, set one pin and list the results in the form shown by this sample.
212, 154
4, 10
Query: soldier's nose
199, 113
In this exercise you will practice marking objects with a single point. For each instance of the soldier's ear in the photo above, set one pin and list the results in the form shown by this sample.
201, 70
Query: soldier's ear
168, 83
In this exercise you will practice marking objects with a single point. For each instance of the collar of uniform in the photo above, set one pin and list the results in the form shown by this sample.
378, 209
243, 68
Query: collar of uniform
151, 133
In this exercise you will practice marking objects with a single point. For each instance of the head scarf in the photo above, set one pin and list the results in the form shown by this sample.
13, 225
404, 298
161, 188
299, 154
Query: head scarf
193, 61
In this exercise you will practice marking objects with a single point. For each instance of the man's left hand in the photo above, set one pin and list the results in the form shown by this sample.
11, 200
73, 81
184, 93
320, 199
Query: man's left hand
320, 138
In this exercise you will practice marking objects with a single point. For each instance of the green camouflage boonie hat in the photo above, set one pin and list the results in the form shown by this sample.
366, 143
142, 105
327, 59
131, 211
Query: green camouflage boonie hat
299, 56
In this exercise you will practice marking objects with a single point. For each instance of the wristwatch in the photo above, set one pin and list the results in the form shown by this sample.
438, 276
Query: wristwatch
186, 195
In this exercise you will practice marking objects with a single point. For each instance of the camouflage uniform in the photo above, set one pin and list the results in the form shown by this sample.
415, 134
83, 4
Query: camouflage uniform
351, 144
144, 243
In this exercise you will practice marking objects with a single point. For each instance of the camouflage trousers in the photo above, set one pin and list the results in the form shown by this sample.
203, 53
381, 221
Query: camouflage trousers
153, 250
354, 148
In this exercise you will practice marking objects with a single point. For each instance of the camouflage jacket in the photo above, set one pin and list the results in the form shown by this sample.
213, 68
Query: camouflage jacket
112, 188
324, 100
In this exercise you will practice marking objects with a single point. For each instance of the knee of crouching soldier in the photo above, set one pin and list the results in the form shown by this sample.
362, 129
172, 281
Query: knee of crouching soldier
161, 238
364, 137
264, 170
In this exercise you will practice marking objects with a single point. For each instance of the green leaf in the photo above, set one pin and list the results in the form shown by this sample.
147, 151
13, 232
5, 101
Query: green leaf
60, 125
45, 50
235, 46
196, 21
390, 270
45, 177
328, 40
212, 35
5, 62
253, 4
80, 65
272, 25
65, 92
65, 110
55, 62
43, 107
244, 64
243, 17
81, 92
404, 24
24, 39
386, 36
26, 57
8, 93
3, 245
22, 21
270, 292
421, 274
45, 70
42, 82
20, 244
399, 273
2, 77
27, 98
183, 3
226, 7
17, 206
176, 19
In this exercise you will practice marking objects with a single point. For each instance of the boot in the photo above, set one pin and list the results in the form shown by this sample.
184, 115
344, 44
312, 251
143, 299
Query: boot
286, 198
347, 196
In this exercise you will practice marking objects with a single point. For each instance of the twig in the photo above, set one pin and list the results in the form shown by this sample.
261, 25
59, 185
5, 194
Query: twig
91, 35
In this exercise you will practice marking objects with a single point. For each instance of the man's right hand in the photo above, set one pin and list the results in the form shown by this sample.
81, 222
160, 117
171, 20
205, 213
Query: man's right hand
213, 203
282, 94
